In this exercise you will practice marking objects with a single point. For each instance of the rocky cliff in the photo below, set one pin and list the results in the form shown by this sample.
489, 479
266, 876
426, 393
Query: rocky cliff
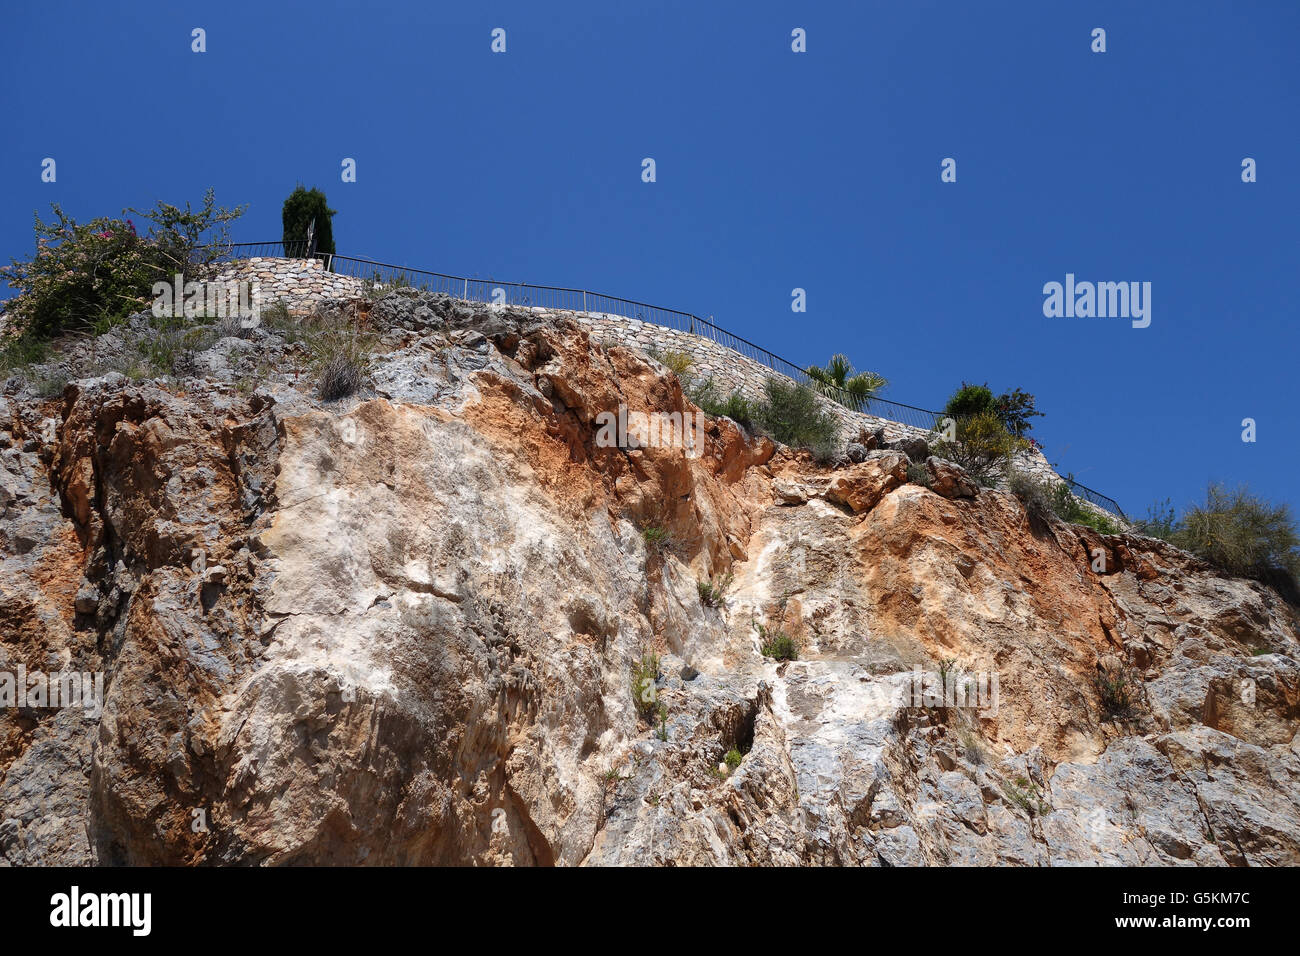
408, 627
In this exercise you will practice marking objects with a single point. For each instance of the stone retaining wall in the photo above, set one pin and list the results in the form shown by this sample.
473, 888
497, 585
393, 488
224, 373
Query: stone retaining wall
299, 283
303, 283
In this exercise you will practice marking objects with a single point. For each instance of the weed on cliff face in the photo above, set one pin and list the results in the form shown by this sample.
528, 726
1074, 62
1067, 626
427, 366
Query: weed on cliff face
1027, 795
776, 644
713, 593
341, 356
1116, 693
645, 698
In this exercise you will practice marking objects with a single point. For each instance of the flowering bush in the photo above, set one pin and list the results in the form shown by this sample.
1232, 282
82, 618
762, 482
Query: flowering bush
93, 274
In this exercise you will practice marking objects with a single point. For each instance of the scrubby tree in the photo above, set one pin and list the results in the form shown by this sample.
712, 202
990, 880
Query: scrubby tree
1013, 408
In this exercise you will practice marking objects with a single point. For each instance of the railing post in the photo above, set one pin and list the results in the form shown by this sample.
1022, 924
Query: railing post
584, 300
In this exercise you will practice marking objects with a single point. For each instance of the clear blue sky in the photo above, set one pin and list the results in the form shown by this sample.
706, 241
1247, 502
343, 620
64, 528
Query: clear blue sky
775, 170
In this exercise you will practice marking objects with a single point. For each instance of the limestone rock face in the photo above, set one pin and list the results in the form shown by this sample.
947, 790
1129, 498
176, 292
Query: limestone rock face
443, 622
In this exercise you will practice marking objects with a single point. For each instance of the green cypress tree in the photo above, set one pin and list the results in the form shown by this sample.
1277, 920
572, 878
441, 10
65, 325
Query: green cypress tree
303, 206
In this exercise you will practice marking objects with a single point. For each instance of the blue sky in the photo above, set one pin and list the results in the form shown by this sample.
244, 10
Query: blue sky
775, 170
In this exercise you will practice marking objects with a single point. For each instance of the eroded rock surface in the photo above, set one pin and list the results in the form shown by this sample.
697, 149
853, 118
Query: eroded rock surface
402, 628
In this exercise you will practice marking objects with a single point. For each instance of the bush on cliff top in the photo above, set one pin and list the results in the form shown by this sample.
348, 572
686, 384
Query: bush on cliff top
1238, 532
792, 414
93, 274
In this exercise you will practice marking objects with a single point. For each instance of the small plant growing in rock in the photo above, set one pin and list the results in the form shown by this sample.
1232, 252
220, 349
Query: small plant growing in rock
656, 538
662, 732
777, 644
1116, 692
1027, 795
644, 696
679, 363
341, 356
712, 593
971, 748
918, 474
733, 758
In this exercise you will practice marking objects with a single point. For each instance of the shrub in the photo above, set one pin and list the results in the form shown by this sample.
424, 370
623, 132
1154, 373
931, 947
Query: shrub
303, 207
777, 644
656, 538
735, 406
733, 758
1013, 408
1046, 497
644, 674
1116, 693
679, 363
792, 414
94, 274
1241, 533
969, 401
983, 447
918, 474
711, 594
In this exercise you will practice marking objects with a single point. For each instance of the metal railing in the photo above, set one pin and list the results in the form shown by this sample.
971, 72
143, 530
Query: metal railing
560, 298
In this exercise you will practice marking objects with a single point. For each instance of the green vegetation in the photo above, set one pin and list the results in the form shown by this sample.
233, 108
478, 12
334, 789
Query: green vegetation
679, 363
733, 758
303, 207
789, 413
971, 748
776, 644
1116, 693
644, 696
711, 592
1046, 497
792, 415
1236, 531
1013, 409
918, 474
970, 400
656, 538
1027, 795
90, 276
734, 406
983, 446
341, 357
840, 374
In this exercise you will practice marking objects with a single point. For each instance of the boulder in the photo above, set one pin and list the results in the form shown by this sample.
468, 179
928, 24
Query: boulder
863, 484
916, 449
950, 480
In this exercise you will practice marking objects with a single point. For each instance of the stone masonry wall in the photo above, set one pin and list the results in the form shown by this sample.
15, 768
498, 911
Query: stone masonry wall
303, 283
300, 283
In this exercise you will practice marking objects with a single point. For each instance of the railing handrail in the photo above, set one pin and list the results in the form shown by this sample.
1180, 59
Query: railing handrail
845, 398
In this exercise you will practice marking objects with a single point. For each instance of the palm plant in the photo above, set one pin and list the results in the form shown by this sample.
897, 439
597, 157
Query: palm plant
839, 373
